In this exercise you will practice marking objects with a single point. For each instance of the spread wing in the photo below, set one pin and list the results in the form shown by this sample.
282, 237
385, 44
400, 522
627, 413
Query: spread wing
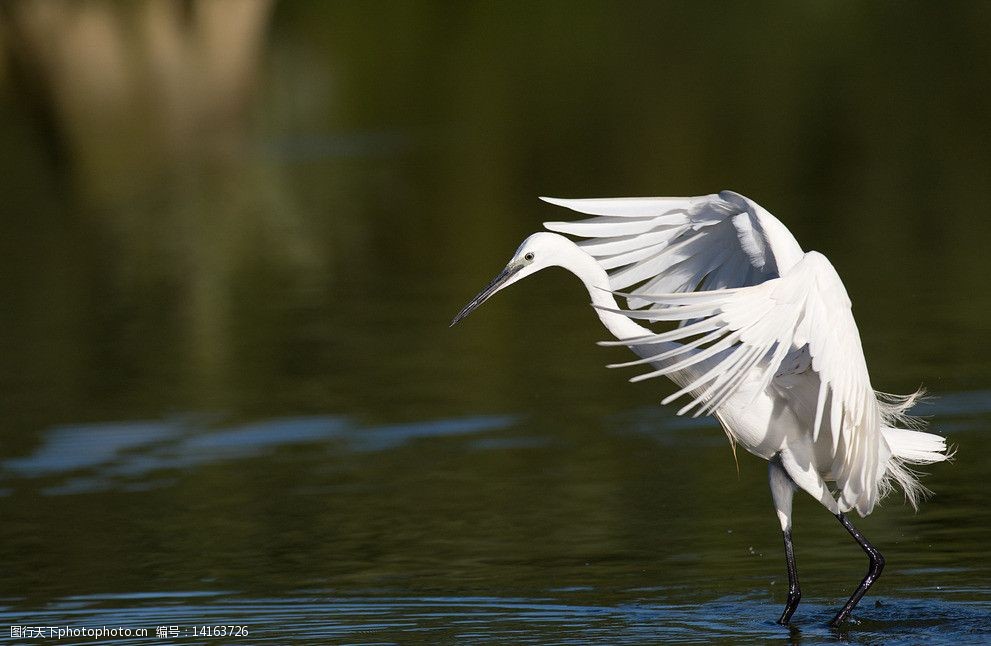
761, 332
680, 244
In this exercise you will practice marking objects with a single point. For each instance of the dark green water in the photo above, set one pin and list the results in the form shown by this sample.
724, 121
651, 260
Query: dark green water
231, 397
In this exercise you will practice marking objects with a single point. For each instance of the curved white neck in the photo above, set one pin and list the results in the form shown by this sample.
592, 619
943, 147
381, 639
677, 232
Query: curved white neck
596, 282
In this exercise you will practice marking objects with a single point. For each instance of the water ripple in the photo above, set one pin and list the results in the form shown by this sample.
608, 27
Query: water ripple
318, 618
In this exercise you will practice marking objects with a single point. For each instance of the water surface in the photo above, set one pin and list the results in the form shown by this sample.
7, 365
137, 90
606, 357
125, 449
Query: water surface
230, 393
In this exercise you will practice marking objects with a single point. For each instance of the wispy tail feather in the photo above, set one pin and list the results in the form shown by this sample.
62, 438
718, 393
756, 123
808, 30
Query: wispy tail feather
908, 446
915, 447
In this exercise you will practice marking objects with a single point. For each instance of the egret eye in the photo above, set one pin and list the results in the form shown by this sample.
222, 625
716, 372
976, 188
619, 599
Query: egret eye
528, 257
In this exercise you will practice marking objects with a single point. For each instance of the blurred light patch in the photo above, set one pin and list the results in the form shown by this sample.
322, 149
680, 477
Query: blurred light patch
136, 456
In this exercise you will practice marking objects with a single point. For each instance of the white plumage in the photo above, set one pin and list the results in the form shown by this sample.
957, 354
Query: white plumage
765, 341
757, 313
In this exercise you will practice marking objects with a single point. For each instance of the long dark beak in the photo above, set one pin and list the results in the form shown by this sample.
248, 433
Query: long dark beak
489, 290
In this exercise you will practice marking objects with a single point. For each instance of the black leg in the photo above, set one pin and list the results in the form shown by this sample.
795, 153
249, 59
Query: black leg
873, 571
782, 490
794, 592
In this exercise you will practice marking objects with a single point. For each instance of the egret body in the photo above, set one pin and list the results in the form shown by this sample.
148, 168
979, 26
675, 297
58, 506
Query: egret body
765, 341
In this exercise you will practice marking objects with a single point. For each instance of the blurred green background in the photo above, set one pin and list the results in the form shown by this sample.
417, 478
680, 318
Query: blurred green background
224, 212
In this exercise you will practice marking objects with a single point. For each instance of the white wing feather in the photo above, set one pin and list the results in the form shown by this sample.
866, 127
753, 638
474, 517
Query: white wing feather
679, 244
753, 309
750, 332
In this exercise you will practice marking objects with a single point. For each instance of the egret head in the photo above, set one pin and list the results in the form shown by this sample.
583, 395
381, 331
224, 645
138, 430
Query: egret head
537, 252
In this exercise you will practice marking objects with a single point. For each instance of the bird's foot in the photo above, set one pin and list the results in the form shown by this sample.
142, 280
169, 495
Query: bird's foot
794, 596
843, 619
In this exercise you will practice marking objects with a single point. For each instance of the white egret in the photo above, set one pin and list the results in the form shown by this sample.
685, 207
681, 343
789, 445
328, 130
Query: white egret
766, 342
